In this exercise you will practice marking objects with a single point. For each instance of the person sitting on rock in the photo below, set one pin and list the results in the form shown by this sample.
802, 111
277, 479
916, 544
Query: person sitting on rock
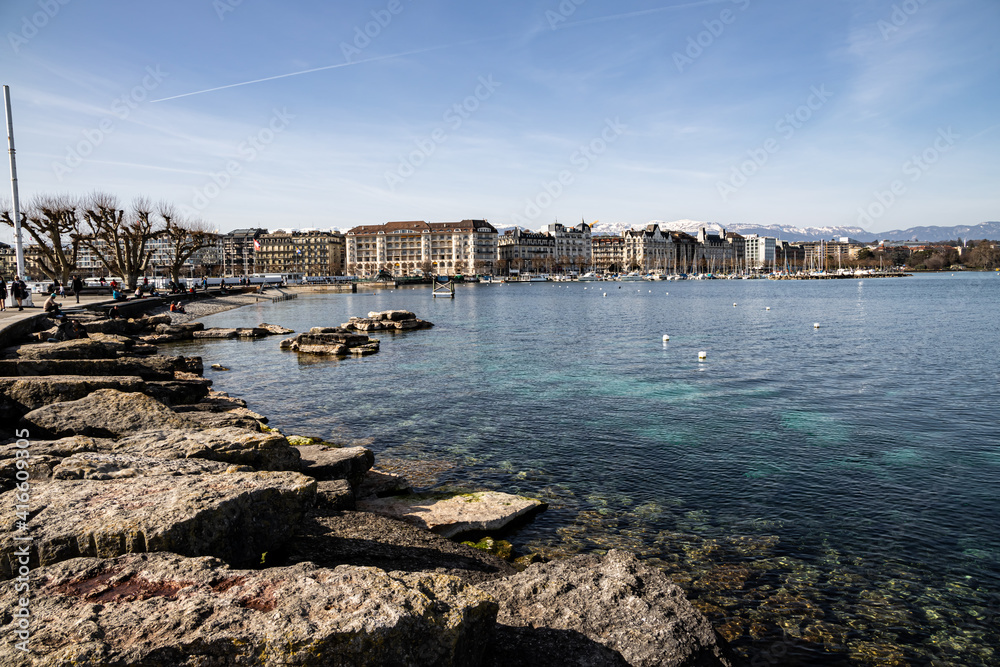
138, 292
113, 313
52, 306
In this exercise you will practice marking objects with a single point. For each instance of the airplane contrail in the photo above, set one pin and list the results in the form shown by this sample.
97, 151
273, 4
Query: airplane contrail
326, 67
642, 12
599, 19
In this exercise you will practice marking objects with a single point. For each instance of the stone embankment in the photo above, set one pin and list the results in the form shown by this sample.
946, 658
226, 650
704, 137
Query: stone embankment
168, 525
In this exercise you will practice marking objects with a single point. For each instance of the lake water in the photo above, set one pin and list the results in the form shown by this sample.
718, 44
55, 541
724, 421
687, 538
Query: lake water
827, 496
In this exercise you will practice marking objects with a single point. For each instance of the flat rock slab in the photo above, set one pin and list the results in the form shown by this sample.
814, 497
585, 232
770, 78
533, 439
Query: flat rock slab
615, 601
234, 516
104, 466
148, 368
329, 539
451, 515
84, 348
327, 463
105, 413
275, 329
21, 395
263, 451
163, 609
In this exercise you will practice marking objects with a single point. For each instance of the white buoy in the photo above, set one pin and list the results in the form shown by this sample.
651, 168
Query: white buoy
768, 308
734, 304
702, 356
815, 325
665, 338
605, 294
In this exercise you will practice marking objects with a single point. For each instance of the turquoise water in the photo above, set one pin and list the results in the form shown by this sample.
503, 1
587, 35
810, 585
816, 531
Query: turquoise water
826, 496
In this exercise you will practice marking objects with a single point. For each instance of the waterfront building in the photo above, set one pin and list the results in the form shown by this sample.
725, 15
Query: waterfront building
715, 252
737, 250
523, 250
572, 245
309, 252
418, 247
759, 251
8, 261
607, 253
829, 255
238, 251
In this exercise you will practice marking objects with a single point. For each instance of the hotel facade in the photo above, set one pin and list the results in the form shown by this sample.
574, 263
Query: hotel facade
422, 248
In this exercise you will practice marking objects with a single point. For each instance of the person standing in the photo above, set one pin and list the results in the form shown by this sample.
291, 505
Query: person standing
3, 294
77, 287
19, 290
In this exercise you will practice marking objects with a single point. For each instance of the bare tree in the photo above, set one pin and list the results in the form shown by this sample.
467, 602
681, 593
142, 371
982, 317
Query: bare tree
459, 266
186, 237
120, 239
53, 223
427, 267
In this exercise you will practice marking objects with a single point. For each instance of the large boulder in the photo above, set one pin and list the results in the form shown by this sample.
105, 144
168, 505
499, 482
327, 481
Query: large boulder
450, 515
161, 610
234, 516
21, 395
387, 320
326, 463
613, 600
105, 413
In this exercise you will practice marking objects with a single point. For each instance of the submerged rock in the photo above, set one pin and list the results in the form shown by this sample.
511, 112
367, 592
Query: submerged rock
234, 516
163, 609
614, 600
451, 515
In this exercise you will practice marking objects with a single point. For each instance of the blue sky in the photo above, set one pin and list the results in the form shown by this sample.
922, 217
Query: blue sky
733, 111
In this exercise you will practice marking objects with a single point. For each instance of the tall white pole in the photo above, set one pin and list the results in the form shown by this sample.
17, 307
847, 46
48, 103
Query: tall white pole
13, 183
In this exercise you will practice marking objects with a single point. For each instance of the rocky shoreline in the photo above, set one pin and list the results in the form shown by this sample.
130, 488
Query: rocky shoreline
152, 521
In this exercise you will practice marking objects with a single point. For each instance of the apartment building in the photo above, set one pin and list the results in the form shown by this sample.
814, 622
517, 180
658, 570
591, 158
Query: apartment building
310, 252
572, 245
421, 248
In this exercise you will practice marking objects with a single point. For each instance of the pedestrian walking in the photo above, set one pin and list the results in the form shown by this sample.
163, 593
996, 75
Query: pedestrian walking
77, 287
3, 294
19, 290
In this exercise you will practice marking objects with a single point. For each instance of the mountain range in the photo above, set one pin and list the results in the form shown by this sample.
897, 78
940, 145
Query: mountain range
984, 230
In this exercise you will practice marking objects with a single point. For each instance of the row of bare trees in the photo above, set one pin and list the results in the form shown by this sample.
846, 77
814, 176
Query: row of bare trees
121, 238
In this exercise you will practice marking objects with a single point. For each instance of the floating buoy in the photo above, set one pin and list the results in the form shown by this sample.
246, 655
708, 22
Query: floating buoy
734, 304
815, 325
665, 338
768, 308
702, 356
605, 294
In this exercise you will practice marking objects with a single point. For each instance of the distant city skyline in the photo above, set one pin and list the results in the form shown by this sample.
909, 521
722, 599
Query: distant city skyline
857, 113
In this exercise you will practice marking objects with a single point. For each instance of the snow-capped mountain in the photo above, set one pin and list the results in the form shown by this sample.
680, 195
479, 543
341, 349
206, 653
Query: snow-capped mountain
985, 230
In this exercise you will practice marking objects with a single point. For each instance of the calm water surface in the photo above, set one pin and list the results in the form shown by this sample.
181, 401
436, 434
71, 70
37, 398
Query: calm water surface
826, 496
